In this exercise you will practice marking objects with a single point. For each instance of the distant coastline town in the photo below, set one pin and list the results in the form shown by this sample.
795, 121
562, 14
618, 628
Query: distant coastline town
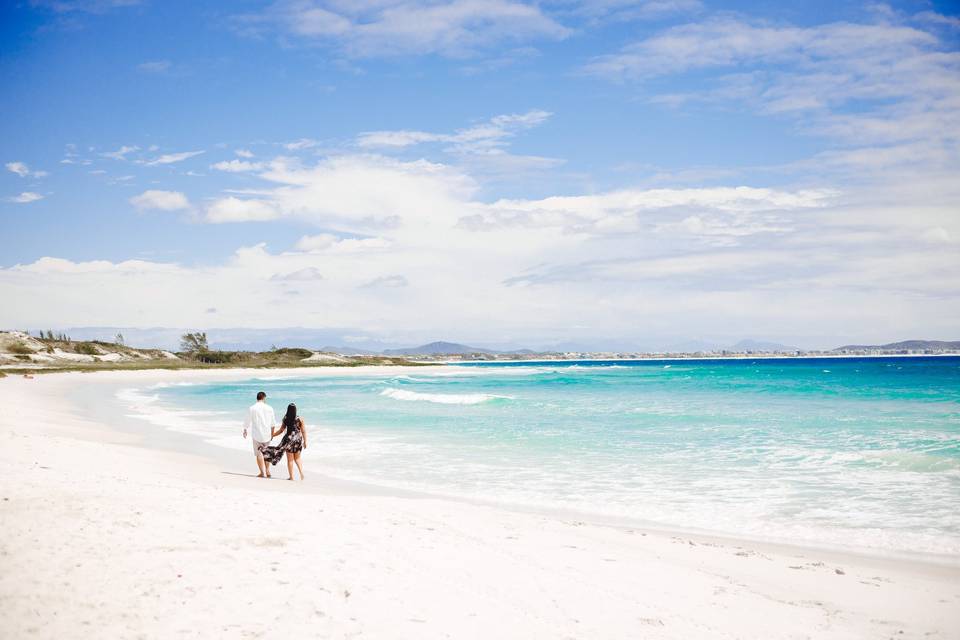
455, 352
47, 351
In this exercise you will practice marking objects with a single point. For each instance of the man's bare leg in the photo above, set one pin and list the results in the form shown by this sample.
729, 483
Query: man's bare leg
261, 464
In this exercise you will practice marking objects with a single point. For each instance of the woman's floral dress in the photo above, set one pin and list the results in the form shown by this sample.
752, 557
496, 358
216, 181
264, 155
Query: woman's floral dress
292, 442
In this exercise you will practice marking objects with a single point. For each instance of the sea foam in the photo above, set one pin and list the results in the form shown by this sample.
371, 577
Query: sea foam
441, 398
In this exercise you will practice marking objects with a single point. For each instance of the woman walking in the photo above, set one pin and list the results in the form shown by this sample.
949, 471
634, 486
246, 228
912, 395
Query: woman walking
294, 441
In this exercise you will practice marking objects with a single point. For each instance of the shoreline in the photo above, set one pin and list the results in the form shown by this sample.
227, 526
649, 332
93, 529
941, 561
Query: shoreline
706, 358
386, 564
16, 369
175, 442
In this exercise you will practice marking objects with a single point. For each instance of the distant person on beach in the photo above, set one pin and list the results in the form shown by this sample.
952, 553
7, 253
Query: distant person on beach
260, 423
294, 441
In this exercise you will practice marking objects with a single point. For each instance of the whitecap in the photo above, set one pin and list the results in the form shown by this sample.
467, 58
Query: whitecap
441, 398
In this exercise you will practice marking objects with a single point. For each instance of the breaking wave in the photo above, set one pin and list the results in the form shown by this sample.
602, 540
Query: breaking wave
441, 398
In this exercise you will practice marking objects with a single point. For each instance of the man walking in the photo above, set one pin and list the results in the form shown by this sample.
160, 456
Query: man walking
260, 422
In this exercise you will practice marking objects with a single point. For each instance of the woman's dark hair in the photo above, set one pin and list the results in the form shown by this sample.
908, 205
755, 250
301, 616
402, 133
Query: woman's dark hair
291, 418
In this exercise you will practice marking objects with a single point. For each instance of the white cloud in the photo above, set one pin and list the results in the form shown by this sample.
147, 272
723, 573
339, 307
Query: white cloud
234, 209
481, 146
416, 199
635, 285
18, 168
727, 42
402, 27
162, 200
121, 153
938, 19
155, 66
386, 282
328, 242
51, 266
719, 211
307, 274
22, 170
902, 77
397, 138
621, 10
25, 197
89, 6
633, 260
237, 166
476, 139
170, 158
299, 145
416, 249
351, 192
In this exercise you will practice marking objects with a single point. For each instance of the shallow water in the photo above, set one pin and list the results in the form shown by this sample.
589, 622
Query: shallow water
861, 453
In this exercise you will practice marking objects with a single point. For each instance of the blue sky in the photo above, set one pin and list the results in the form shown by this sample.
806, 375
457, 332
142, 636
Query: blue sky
498, 172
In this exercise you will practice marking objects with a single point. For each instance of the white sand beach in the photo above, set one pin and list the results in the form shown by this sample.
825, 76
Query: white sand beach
108, 538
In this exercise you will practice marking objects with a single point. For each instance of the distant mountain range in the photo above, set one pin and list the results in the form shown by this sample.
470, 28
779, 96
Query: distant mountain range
436, 348
760, 345
906, 345
450, 348
352, 341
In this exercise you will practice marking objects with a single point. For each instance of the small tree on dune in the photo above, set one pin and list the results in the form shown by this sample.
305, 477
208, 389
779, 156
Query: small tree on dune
194, 343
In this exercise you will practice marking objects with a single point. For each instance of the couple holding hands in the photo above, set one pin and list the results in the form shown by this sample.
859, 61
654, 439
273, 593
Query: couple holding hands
261, 425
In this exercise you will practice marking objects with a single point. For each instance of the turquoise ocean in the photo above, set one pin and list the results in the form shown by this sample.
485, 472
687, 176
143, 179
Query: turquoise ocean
858, 453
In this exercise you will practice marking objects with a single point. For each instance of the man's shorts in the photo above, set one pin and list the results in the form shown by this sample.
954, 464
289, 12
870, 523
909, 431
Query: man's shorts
256, 446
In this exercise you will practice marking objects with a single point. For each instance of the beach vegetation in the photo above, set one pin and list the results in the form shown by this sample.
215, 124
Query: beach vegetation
87, 349
50, 336
217, 357
295, 352
194, 343
200, 357
20, 348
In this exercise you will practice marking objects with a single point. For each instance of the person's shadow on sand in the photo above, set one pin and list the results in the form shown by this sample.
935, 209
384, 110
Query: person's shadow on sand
237, 473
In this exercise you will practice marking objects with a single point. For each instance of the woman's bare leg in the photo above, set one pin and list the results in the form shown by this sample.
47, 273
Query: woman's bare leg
290, 464
296, 458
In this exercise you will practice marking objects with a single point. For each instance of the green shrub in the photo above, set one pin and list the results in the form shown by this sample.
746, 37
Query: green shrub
295, 352
87, 349
217, 357
21, 348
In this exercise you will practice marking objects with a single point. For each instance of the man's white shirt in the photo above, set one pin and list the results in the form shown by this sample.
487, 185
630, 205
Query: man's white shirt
260, 421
